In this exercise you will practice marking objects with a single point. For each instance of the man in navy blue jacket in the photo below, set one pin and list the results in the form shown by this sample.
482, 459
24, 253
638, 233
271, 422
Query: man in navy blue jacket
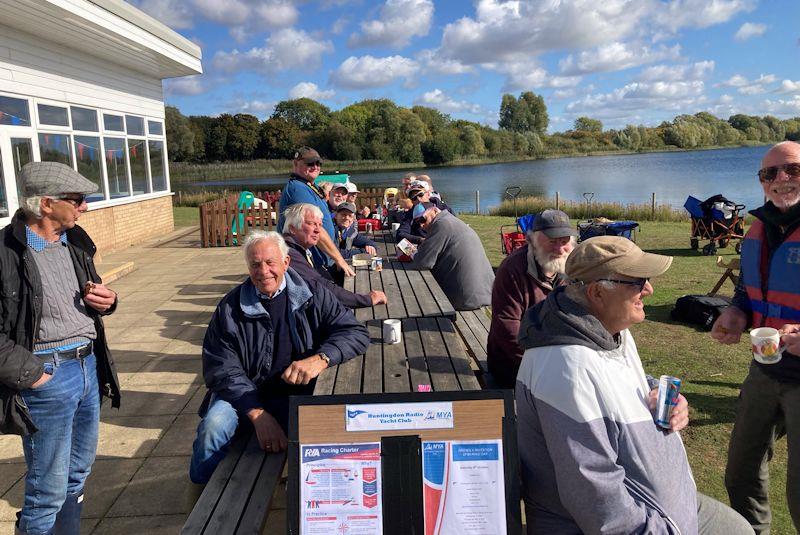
268, 339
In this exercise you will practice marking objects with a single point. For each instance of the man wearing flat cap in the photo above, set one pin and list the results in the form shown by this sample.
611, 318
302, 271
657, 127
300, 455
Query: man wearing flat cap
306, 166
54, 360
593, 458
526, 277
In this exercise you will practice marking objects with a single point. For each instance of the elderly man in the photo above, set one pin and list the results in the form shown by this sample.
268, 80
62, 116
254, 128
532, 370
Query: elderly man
54, 361
347, 235
454, 254
268, 339
352, 191
302, 231
593, 458
418, 192
306, 167
337, 196
525, 278
768, 295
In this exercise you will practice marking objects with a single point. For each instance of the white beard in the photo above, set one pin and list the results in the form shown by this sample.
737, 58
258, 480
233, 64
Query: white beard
548, 264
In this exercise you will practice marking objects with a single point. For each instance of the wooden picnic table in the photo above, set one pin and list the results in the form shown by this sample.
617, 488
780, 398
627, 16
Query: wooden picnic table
411, 293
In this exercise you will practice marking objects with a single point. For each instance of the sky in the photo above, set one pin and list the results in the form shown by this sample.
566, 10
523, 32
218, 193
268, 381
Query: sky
620, 61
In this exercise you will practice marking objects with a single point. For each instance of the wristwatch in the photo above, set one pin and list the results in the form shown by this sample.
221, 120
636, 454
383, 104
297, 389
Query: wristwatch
325, 357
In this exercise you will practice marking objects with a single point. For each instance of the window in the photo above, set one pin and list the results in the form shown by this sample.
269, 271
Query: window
113, 122
138, 161
21, 153
3, 197
135, 125
84, 119
154, 128
14, 111
53, 115
87, 154
116, 167
55, 148
157, 165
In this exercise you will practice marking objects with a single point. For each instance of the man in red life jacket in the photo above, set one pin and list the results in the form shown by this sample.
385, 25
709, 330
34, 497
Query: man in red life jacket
768, 295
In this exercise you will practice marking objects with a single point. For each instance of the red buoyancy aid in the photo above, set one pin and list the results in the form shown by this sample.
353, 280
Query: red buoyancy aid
774, 289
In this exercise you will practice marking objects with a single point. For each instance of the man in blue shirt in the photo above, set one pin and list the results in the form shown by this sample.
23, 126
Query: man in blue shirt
306, 167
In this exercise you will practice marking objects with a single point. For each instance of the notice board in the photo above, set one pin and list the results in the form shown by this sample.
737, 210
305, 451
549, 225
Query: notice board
436, 463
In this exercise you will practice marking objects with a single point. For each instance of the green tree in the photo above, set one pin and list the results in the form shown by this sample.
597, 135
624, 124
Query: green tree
471, 139
587, 124
180, 136
433, 119
305, 113
528, 113
243, 136
278, 138
442, 147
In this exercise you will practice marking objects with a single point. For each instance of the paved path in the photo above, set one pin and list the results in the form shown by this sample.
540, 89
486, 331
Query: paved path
139, 482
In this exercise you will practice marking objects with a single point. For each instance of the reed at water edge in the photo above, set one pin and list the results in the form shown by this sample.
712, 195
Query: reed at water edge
582, 210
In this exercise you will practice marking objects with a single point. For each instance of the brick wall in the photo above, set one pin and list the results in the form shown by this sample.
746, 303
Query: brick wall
118, 227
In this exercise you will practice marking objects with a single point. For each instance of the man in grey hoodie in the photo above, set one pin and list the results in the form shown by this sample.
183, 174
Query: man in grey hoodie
593, 458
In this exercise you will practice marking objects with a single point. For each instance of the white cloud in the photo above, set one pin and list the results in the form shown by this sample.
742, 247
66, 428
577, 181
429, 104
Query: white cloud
749, 30
444, 103
749, 87
399, 22
188, 85
700, 13
176, 14
783, 108
284, 49
433, 62
310, 90
370, 72
616, 56
789, 86
693, 71
259, 108
339, 25
527, 76
675, 97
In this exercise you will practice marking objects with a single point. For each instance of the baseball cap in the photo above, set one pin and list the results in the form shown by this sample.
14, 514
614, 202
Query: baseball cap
53, 179
420, 209
307, 154
340, 186
417, 185
606, 256
351, 187
554, 224
346, 206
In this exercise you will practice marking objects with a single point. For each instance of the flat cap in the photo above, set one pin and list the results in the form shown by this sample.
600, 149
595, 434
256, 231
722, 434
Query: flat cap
53, 179
606, 256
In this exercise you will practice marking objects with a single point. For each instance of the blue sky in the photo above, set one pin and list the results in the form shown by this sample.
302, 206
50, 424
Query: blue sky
620, 61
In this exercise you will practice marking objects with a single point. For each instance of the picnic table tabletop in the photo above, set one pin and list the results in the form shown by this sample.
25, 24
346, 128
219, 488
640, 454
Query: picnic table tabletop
411, 293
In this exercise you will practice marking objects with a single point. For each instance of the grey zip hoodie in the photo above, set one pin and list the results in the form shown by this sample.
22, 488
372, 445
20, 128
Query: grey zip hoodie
593, 459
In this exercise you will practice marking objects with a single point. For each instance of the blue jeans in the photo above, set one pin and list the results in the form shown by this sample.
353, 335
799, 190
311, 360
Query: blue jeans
214, 434
66, 412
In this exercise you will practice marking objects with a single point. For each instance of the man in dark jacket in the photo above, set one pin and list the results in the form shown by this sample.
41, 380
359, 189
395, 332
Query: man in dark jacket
525, 278
350, 241
268, 339
54, 361
302, 230
410, 229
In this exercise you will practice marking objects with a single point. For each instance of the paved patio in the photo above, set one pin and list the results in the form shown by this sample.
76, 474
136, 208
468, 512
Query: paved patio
139, 481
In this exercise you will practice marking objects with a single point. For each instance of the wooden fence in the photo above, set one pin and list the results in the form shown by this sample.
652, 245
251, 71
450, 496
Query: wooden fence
217, 228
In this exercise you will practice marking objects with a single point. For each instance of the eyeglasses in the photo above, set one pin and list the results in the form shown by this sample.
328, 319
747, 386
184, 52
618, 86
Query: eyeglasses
417, 196
768, 174
638, 283
74, 201
313, 164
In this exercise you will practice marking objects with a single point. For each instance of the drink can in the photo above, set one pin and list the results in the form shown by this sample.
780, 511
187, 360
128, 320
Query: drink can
668, 389
377, 263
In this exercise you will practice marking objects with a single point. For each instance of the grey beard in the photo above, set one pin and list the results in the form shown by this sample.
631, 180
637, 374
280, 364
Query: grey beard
548, 266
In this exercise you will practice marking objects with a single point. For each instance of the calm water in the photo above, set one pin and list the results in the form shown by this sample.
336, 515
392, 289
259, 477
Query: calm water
626, 179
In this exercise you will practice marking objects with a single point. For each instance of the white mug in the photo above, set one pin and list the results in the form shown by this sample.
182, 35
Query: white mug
766, 344
395, 226
392, 333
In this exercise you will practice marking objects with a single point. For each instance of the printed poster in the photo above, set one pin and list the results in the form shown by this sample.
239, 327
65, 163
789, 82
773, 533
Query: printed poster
392, 416
463, 487
340, 489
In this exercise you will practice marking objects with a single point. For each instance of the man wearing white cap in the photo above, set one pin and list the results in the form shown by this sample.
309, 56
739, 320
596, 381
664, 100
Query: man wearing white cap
352, 191
419, 192
54, 360
593, 458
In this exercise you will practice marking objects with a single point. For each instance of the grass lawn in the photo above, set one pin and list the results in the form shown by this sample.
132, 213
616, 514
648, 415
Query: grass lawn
711, 373
186, 216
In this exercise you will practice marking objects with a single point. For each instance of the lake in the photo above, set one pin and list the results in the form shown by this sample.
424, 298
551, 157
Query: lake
622, 178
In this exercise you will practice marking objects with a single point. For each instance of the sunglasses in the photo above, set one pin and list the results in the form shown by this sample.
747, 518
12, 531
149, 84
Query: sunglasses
417, 196
768, 174
313, 164
74, 201
638, 283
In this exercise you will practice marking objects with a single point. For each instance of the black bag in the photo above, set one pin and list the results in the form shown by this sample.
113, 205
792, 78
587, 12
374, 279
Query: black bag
699, 310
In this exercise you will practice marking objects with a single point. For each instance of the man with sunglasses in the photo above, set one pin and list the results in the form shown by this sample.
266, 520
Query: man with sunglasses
593, 458
54, 361
410, 229
306, 166
768, 295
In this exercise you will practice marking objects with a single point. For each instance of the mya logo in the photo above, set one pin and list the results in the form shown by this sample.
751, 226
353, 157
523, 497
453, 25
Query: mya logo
354, 413
793, 255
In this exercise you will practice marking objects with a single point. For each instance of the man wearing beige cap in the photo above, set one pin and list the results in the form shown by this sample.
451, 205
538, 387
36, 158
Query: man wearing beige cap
593, 458
54, 360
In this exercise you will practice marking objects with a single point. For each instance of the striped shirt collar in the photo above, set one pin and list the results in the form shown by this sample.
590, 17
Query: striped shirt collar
37, 243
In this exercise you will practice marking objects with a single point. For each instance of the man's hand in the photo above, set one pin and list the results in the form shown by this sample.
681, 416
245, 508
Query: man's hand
680, 412
791, 338
370, 250
378, 297
346, 268
729, 326
99, 297
301, 372
268, 431
42, 380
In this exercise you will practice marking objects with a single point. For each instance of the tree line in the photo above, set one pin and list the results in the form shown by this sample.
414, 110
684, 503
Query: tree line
381, 130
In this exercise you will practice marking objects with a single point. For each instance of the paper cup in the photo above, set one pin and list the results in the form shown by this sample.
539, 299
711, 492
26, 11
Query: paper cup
766, 343
392, 333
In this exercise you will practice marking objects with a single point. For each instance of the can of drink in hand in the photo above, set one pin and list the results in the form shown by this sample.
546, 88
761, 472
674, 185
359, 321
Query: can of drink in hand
668, 389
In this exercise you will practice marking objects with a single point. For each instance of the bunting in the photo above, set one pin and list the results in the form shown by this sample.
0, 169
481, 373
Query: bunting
13, 120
